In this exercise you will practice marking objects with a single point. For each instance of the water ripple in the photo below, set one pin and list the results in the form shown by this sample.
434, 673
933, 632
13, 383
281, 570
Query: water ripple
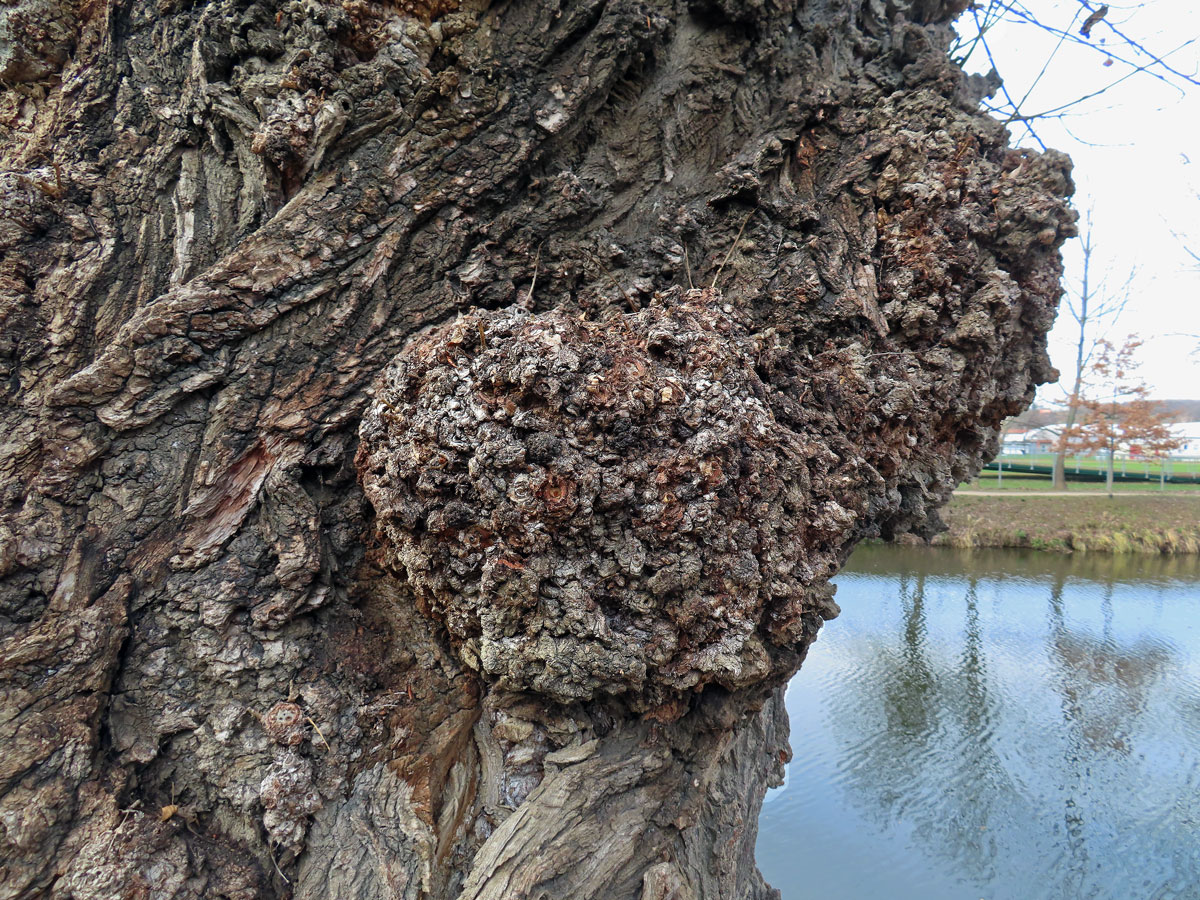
996, 725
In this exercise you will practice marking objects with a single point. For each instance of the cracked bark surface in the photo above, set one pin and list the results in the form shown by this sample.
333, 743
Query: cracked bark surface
223, 221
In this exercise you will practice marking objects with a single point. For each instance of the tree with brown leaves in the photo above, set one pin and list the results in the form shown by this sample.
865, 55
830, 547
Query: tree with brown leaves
1117, 414
1094, 307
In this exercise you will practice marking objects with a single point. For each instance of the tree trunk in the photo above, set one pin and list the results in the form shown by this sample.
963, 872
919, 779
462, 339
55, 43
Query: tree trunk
1059, 473
223, 220
1081, 316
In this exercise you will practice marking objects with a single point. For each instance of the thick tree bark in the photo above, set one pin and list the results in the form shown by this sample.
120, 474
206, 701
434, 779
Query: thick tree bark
223, 220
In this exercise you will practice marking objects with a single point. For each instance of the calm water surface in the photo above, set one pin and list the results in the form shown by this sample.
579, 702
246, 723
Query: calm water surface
997, 725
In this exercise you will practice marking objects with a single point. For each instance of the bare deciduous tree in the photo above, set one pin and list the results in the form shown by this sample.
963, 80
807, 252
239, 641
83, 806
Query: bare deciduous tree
1094, 307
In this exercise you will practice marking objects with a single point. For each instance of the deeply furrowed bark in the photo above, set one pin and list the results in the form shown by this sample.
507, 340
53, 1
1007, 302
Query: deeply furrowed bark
223, 220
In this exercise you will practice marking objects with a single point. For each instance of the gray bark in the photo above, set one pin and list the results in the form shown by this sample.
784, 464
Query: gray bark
223, 220
1059, 475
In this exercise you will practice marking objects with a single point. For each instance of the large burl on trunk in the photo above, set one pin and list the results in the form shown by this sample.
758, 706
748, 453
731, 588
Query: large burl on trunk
429, 429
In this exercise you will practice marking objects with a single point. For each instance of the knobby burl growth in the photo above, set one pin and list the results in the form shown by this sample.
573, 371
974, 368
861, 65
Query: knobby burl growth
646, 503
604, 507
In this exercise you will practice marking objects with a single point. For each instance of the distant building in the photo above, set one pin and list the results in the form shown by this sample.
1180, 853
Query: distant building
1189, 434
1042, 440
1036, 440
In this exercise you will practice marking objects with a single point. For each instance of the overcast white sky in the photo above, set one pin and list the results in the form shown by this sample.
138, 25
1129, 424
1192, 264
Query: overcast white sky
1137, 164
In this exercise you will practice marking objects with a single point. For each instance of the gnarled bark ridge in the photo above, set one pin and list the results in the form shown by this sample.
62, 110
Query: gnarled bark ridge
532, 645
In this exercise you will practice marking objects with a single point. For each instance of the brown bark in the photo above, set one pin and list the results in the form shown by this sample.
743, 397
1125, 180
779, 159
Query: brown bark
223, 220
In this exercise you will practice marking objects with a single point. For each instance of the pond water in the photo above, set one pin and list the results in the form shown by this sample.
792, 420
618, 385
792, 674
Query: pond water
998, 725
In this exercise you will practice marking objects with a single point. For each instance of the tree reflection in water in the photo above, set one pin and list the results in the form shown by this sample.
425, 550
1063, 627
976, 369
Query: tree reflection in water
1103, 686
930, 762
1019, 750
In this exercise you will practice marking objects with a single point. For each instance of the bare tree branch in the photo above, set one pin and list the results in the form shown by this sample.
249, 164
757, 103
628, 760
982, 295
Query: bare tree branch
1139, 59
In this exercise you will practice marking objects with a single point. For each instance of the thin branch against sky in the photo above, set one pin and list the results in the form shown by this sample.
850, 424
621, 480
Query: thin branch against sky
1050, 57
1151, 63
1126, 113
1003, 88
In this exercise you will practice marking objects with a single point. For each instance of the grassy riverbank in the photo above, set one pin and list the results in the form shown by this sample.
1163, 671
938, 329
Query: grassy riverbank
1165, 523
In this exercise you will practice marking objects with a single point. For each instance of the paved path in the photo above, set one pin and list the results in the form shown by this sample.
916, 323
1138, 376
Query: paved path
962, 493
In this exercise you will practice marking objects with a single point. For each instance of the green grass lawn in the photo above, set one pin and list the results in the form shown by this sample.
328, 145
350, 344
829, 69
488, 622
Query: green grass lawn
1128, 466
1169, 523
1025, 481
